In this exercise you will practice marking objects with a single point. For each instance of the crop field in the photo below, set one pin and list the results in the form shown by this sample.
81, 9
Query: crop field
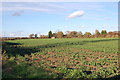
61, 58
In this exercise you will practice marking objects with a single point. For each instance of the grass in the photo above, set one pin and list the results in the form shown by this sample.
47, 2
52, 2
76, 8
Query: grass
61, 58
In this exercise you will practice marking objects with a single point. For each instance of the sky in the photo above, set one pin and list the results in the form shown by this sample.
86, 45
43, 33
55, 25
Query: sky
19, 19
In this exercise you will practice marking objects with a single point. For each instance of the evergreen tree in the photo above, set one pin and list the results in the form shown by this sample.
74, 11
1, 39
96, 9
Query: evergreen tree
35, 35
50, 34
103, 32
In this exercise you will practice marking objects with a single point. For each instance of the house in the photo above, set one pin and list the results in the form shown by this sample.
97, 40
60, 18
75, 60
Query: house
52, 37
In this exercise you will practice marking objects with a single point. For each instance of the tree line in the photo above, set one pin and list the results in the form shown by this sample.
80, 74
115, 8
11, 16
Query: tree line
75, 34
70, 34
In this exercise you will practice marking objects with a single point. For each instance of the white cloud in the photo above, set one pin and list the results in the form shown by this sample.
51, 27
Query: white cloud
55, 8
76, 14
24, 9
41, 7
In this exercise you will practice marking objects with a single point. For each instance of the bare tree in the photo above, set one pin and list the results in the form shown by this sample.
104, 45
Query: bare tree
59, 34
31, 35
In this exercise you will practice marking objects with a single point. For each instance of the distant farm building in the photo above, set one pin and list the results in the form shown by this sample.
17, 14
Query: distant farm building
52, 37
